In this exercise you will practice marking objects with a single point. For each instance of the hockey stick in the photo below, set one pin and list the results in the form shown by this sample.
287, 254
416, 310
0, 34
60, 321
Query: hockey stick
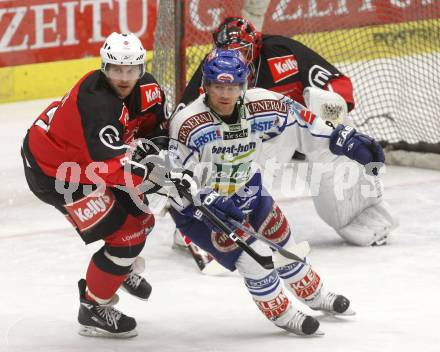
265, 261
298, 252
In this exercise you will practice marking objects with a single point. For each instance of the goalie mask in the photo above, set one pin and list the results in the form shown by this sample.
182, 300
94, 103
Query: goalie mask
238, 33
123, 49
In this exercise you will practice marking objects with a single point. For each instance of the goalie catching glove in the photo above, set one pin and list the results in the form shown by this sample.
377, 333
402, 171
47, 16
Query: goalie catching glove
344, 140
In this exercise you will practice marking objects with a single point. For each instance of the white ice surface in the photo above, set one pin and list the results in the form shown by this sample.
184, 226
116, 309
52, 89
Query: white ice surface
394, 289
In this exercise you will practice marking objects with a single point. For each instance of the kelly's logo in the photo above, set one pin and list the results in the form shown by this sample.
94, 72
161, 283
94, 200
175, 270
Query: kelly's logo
283, 67
150, 95
89, 211
92, 208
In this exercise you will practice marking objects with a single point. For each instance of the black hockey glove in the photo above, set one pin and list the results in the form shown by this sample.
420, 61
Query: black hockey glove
150, 157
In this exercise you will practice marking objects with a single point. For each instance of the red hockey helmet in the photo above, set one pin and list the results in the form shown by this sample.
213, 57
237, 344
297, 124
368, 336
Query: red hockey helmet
239, 33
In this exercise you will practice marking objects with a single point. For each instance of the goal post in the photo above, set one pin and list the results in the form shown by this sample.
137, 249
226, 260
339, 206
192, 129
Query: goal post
389, 48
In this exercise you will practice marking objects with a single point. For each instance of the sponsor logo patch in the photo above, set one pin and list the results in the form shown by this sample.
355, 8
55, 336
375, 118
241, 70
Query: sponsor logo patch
261, 126
109, 136
307, 286
234, 150
319, 76
275, 307
201, 139
225, 77
223, 243
89, 211
150, 96
235, 135
275, 227
264, 283
191, 123
266, 105
283, 67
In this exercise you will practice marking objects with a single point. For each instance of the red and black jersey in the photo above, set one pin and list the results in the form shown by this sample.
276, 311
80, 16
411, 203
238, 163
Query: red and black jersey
287, 66
92, 124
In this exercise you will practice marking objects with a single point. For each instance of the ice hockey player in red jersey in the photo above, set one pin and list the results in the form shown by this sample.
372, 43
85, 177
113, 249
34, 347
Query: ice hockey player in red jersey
284, 65
73, 160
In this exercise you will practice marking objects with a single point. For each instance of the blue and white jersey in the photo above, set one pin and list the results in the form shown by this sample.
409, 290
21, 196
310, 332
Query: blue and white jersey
224, 156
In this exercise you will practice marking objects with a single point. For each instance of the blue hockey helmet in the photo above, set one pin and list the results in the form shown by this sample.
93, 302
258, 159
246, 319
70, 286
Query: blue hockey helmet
225, 66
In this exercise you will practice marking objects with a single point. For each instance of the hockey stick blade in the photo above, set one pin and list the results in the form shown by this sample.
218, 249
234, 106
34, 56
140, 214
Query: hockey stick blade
302, 249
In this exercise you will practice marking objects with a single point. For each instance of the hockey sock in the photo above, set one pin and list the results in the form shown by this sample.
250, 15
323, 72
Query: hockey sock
102, 285
301, 280
264, 285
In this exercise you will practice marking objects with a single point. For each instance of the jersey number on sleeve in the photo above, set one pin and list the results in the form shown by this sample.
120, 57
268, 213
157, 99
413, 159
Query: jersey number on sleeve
45, 120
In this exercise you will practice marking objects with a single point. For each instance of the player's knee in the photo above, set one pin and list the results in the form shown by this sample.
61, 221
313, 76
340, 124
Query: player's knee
124, 255
275, 226
125, 244
111, 264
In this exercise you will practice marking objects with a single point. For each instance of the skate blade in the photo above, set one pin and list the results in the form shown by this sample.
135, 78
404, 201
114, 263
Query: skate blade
92, 331
349, 312
317, 333
122, 288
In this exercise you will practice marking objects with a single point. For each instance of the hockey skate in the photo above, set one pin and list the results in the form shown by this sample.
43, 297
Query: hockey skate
102, 320
331, 303
137, 286
298, 323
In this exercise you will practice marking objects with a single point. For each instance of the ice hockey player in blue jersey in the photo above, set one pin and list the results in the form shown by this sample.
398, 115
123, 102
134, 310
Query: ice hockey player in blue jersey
217, 139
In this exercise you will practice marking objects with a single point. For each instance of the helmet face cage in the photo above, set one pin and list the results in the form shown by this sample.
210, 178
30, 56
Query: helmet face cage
225, 66
122, 49
238, 33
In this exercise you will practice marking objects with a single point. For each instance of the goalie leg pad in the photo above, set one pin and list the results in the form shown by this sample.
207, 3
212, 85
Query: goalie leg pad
373, 226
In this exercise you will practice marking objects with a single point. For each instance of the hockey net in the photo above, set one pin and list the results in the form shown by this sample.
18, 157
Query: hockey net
389, 48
